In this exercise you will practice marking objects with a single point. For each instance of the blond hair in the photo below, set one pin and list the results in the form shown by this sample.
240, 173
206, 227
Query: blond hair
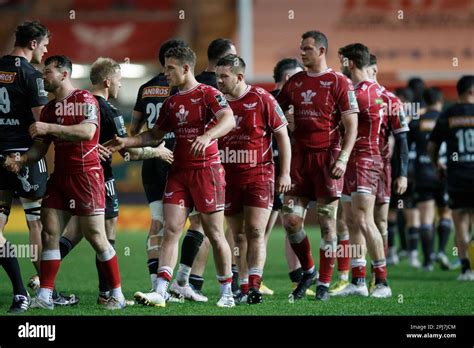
103, 68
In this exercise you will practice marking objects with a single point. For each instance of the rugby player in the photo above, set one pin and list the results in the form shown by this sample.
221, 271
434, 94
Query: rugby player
318, 157
198, 115
251, 179
455, 126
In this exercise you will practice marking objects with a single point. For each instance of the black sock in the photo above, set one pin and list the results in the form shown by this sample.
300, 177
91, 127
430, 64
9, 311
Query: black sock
358, 281
465, 265
65, 246
190, 247
426, 234
153, 265
103, 285
401, 230
296, 275
10, 263
235, 278
413, 235
444, 229
392, 226
196, 281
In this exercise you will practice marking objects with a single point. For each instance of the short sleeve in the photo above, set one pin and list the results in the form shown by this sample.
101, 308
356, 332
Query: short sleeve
91, 109
283, 98
215, 101
139, 102
275, 117
163, 122
36, 94
398, 121
441, 129
345, 97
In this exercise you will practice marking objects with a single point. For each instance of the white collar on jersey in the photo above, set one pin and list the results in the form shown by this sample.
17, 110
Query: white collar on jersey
318, 74
228, 97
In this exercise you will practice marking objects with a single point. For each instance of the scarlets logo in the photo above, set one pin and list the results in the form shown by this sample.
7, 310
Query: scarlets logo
307, 96
250, 106
182, 115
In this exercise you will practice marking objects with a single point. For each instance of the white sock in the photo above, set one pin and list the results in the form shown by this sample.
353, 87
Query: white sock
344, 276
161, 285
117, 293
183, 275
45, 294
153, 278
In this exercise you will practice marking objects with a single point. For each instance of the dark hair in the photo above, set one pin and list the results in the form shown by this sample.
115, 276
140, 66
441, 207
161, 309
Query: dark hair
28, 31
236, 63
319, 38
184, 54
283, 66
373, 59
60, 62
165, 46
432, 95
218, 48
417, 85
406, 94
356, 52
464, 84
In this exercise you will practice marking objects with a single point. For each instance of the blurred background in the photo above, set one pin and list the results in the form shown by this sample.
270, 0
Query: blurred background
431, 39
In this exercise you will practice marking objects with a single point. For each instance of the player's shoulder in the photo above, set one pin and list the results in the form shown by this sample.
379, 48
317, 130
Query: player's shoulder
157, 80
85, 96
459, 109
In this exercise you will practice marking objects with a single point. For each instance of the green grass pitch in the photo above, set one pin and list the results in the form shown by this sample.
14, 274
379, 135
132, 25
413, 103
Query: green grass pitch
414, 292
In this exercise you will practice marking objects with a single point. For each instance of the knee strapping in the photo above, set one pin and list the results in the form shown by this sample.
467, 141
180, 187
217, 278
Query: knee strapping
156, 209
32, 210
149, 246
4, 212
298, 237
291, 209
327, 210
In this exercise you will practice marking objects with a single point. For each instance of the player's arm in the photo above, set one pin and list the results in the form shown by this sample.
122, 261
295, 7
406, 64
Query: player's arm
143, 153
349, 122
137, 122
401, 167
225, 123
148, 138
14, 162
437, 137
37, 112
284, 151
77, 132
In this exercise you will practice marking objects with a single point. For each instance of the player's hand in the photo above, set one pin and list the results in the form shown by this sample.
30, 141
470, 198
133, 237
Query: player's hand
441, 171
104, 152
199, 145
338, 170
164, 154
115, 144
14, 162
283, 183
400, 185
38, 129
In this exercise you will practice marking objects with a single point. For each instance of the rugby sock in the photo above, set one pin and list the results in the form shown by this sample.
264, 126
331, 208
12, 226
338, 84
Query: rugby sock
65, 246
255, 278
244, 285
413, 234
426, 234
190, 247
379, 267
358, 271
108, 262
296, 275
444, 229
152, 270
235, 278
10, 263
226, 283
196, 281
343, 259
163, 279
103, 286
183, 274
392, 226
465, 265
401, 230
49, 267
327, 259
300, 244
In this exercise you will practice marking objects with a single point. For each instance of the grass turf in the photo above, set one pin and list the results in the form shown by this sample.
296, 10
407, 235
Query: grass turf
414, 292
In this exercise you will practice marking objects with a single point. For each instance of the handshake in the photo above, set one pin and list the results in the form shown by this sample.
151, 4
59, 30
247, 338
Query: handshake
13, 162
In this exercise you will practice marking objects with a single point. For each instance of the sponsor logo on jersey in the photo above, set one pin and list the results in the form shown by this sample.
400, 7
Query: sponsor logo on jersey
461, 121
9, 122
7, 77
280, 113
326, 84
40, 86
222, 101
307, 96
352, 100
182, 115
196, 101
120, 126
427, 125
250, 106
156, 92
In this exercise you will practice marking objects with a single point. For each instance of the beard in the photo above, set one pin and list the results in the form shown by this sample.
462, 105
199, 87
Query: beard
50, 87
